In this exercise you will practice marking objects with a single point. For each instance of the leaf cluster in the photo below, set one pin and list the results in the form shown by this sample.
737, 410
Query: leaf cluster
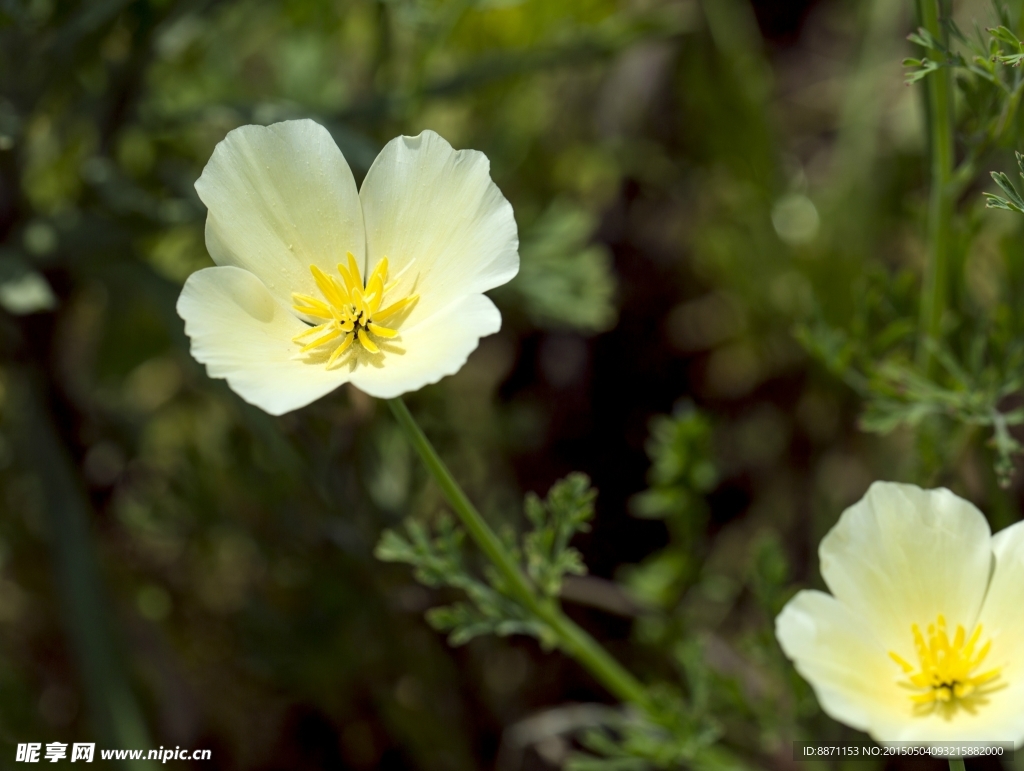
682, 472
566, 280
969, 390
568, 510
439, 560
675, 733
963, 379
1013, 201
986, 68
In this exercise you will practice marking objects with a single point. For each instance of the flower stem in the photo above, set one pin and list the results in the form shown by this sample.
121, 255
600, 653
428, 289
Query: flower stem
934, 291
956, 764
572, 639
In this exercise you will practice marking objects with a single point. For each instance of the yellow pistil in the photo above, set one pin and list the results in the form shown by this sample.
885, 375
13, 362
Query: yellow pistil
947, 677
350, 310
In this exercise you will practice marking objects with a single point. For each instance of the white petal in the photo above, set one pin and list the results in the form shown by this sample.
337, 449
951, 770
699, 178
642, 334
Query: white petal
1003, 623
433, 349
1001, 614
903, 555
444, 226
241, 332
281, 198
989, 723
857, 683
849, 669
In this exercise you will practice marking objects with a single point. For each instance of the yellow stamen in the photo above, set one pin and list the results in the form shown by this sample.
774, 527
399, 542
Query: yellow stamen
320, 341
397, 307
380, 272
346, 277
351, 309
368, 344
380, 331
358, 301
326, 286
345, 345
906, 665
311, 331
310, 306
946, 680
374, 293
353, 269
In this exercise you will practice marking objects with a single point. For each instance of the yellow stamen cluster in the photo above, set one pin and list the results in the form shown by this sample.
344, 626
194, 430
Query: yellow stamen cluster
351, 310
947, 678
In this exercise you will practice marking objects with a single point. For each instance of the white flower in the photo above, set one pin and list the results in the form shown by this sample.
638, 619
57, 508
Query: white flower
922, 638
317, 285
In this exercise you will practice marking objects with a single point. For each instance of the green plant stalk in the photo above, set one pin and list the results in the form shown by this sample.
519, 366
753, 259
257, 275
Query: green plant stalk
956, 764
935, 289
572, 639
114, 711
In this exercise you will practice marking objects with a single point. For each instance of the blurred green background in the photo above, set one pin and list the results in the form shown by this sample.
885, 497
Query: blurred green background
699, 187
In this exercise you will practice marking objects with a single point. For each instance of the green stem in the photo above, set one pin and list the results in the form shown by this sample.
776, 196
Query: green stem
956, 764
934, 292
572, 639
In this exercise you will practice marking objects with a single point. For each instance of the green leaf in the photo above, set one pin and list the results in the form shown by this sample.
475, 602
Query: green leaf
1014, 202
682, 469
923, 37
1005, 35
568, 509
926, 68
566, 280
437, 561
491, 607
676, 733
464, 621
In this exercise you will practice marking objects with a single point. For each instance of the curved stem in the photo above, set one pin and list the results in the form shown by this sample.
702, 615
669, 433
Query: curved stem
956, 764
934, 292
572, 638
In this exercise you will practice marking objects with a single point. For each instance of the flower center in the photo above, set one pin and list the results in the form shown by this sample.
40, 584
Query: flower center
351, 309
947, 676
